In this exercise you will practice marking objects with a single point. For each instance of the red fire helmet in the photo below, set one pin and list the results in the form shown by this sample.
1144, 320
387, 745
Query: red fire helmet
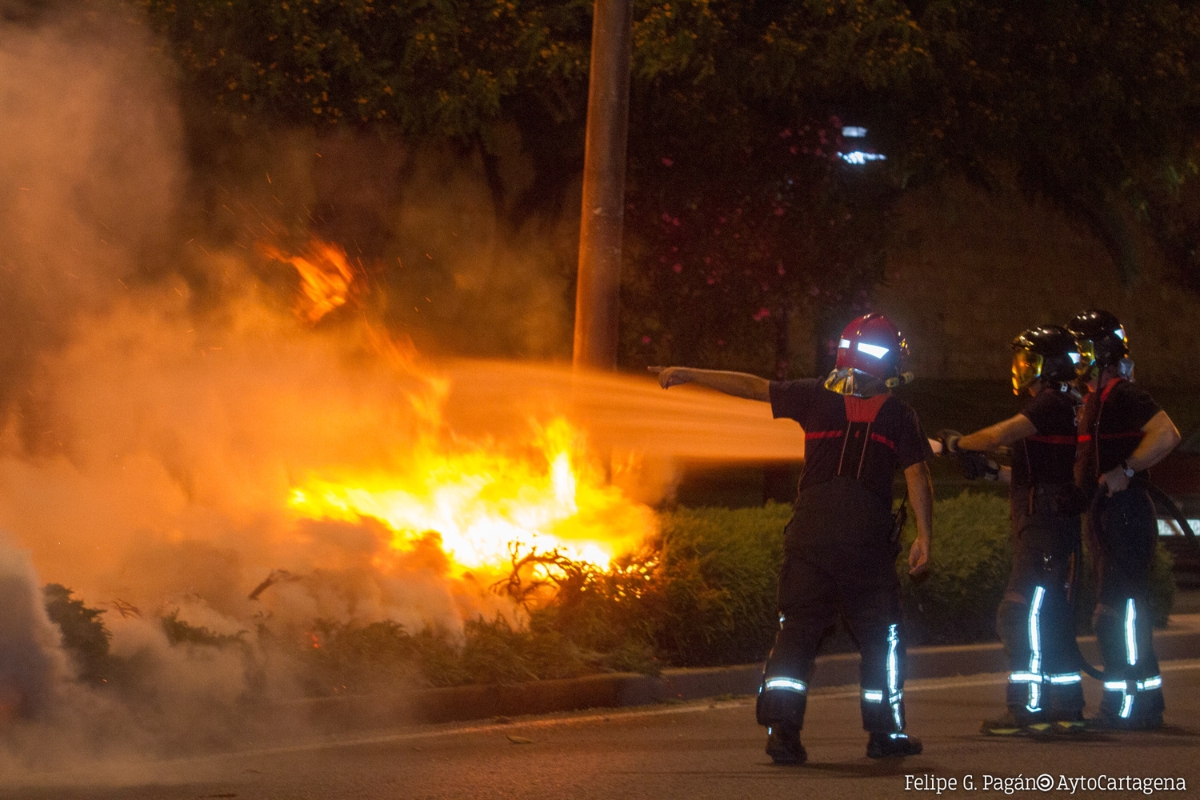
870, 357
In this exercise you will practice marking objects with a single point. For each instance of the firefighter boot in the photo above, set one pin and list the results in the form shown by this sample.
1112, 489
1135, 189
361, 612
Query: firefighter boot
783, 744
893, 745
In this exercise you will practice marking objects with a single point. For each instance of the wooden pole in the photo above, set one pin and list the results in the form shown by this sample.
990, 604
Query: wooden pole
597, 294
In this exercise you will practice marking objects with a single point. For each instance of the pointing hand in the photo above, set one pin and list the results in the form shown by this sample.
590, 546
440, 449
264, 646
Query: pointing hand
671, 376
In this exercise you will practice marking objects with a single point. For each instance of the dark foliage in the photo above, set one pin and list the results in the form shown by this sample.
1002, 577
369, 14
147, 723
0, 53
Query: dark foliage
741, 216
84, 636
180, 632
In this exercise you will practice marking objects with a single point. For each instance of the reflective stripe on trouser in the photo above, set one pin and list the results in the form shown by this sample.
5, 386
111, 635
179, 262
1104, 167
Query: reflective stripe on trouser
781, 700
1037, 637
1036, 620
1133, 685
1123, 530
883, 709
837, 559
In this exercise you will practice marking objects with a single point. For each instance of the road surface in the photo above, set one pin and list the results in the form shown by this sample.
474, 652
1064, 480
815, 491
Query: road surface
705, 749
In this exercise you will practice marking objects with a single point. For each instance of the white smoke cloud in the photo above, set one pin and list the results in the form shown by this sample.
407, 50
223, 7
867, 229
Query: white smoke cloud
149, 437
32, 666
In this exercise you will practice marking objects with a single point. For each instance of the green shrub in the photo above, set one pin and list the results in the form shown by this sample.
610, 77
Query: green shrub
180, 632
969, 566
347, 658
1162, 588
598, 620
344, 657
84, 636
701, 593
495, 652
714, 600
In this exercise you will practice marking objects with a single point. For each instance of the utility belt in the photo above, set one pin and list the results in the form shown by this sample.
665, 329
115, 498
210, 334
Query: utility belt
1046, 499
1040, 519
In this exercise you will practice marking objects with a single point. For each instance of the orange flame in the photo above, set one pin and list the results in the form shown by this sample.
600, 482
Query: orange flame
484, 501
326, 277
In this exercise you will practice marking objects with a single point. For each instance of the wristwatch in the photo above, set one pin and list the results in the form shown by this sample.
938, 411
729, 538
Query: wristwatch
1128, 470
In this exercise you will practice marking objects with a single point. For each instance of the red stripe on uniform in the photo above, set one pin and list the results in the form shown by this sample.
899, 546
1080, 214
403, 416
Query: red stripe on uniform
824, 434
875, 437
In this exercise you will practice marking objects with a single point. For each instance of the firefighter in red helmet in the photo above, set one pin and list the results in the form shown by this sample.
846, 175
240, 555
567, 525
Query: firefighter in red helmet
840, 546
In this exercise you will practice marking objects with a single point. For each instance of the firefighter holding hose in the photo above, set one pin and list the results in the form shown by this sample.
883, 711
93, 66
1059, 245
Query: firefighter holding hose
840, 546
1036, 619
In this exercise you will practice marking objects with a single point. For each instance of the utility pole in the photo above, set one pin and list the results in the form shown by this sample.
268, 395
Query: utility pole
599, 282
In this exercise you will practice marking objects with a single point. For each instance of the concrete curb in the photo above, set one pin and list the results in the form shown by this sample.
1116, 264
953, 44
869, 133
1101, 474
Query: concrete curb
459, 703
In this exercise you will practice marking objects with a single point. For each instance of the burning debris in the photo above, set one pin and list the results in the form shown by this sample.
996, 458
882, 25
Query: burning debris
125, 609
276, 576
327, 279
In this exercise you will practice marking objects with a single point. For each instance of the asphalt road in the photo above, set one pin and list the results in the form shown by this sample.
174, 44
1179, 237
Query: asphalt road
707, 749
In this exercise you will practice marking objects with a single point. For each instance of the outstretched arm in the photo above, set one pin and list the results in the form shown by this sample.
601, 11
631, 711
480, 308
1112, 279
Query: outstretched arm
969, 449
738, 384
920, 492
999, 435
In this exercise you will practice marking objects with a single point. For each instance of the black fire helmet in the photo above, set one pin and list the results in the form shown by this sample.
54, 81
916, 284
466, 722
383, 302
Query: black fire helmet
1049, 354
1106, 336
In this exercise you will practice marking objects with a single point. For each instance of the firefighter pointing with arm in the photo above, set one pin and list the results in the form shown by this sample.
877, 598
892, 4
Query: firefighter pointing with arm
840, 547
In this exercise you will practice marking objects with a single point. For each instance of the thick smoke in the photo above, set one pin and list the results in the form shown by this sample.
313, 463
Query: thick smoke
159, 399
32, 667
89, 173
158, 402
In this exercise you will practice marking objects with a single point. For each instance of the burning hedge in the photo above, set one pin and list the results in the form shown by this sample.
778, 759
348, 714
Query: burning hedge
701, 592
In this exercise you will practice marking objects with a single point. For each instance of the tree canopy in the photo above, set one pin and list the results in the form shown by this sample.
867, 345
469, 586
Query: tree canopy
740, 209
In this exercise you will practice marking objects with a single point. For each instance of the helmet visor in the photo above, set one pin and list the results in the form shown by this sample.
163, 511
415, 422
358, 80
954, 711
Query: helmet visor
1026, 368
1087, 358
854, 382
